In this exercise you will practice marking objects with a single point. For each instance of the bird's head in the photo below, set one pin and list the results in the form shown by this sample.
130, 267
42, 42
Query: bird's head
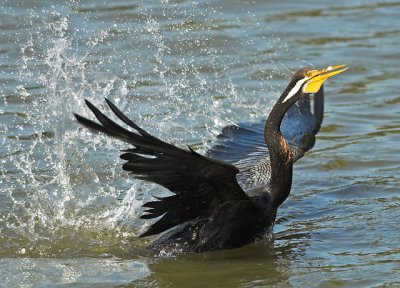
307, 81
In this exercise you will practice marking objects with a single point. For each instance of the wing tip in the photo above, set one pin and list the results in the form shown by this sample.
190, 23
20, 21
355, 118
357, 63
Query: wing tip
82, 120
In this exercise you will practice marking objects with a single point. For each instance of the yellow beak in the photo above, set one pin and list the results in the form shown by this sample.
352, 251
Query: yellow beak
318, 77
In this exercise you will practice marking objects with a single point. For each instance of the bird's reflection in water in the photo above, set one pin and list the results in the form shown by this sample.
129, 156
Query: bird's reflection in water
259, 264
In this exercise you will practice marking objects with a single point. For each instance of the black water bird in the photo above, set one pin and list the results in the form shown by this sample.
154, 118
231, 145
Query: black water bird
223, 204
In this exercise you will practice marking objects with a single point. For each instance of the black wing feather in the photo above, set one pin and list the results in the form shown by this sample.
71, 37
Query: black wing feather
199, 183
299, 127
244, 145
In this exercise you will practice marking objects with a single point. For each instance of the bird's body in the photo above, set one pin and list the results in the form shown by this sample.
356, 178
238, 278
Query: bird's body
223, 204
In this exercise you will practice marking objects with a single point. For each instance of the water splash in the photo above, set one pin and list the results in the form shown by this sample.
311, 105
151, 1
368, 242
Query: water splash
65, 184
62, 192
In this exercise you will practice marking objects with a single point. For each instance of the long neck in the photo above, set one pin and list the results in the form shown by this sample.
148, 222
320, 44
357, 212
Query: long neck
280, 154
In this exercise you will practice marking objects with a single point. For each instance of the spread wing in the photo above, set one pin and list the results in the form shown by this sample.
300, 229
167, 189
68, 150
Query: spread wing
244, 145
199, 184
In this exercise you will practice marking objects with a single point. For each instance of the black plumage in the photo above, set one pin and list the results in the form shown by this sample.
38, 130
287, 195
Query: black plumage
216, 204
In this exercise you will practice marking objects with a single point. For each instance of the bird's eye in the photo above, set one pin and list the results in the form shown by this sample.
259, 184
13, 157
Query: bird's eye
309, 74
312, 73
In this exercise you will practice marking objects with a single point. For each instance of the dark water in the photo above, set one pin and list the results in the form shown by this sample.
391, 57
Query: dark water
183, 70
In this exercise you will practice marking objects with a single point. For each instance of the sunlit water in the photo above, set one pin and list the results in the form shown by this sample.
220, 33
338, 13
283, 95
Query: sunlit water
183, 70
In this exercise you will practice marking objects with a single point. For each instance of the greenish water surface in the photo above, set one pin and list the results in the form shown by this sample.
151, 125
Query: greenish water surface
183, 70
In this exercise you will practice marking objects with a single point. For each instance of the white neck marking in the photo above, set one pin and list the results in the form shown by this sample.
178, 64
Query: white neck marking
295, 89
